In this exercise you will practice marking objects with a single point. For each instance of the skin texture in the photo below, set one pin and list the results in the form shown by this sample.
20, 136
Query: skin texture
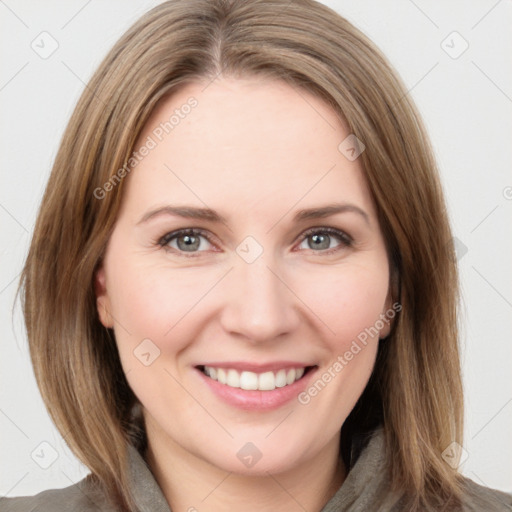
256, 151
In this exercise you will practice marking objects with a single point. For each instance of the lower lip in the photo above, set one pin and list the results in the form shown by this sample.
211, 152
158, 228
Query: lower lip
257, 400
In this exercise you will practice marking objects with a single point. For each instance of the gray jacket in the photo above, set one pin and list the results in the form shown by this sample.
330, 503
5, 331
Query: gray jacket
365, 489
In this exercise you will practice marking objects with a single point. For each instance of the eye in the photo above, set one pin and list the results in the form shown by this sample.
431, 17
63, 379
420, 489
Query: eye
185, 241
191, 242
319, 239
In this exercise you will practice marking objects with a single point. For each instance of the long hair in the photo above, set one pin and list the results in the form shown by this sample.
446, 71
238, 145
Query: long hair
416, 386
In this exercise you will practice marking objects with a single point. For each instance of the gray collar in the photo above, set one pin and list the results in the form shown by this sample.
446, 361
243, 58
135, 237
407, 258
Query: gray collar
364, 481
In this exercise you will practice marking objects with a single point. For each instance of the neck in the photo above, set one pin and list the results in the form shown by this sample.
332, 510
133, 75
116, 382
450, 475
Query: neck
190, 483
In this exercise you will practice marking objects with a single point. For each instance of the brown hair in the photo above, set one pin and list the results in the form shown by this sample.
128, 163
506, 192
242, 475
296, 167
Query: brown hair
415, 391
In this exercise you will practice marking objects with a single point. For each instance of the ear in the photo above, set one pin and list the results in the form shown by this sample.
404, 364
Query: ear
386, 320
102, 299
390, 306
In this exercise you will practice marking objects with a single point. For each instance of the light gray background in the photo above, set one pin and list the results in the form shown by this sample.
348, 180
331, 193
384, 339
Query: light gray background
466, 103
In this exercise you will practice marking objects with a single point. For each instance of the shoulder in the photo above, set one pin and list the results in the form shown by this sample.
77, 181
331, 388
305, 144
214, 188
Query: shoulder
80, 497
477, 498
370, 481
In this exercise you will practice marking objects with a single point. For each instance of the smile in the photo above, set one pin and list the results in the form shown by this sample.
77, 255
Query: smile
256, 387
251, 381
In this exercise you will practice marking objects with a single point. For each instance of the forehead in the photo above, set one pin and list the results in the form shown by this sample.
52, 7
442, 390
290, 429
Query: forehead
245, 144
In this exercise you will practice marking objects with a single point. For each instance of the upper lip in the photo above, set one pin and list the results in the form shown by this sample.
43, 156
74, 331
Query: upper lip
257, 367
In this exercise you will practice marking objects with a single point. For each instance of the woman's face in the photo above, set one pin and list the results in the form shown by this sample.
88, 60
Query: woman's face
258, 298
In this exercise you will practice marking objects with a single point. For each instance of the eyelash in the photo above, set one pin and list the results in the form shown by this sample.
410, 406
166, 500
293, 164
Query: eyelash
346, 240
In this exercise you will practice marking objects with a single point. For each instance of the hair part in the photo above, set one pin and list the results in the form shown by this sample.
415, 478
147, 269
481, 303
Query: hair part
415, 391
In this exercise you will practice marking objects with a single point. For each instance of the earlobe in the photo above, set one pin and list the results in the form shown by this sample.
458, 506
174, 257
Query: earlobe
387, 316
390, 311
102, 300
386, 329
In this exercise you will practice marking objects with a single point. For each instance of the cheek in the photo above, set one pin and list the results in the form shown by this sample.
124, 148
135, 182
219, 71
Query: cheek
348, 301
154, 308
151, 301
348, 308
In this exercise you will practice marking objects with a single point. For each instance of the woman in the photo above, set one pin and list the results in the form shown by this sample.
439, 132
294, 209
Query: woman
241, 290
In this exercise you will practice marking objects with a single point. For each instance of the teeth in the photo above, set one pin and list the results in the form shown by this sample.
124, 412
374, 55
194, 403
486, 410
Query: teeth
233, 379
266, 381
251, 381
281, 378
221, 375
248, 380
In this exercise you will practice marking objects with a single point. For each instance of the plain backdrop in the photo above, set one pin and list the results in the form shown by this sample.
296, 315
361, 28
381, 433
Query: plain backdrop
454, 57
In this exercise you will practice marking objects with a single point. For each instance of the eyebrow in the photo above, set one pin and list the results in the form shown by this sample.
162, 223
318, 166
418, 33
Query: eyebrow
191, 212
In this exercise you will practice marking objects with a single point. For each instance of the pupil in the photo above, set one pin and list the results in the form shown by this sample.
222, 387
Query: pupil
189, 242
319, 240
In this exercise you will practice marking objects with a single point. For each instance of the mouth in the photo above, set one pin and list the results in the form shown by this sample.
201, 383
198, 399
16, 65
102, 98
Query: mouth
256, 381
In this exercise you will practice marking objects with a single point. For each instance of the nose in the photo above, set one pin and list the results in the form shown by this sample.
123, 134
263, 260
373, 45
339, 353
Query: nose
258, 304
